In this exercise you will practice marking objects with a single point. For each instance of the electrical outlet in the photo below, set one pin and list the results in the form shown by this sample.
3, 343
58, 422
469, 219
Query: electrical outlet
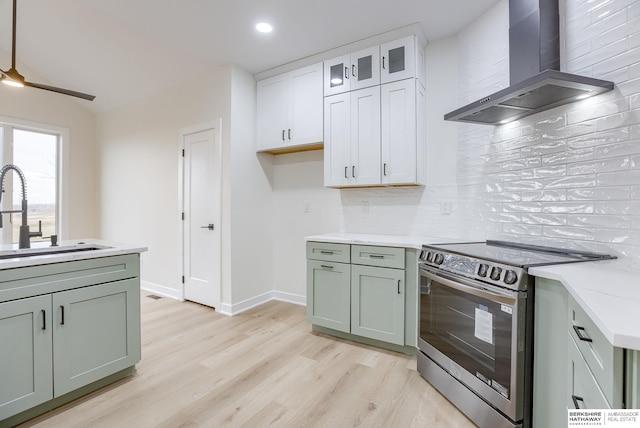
365, 207
307, 208
445, 208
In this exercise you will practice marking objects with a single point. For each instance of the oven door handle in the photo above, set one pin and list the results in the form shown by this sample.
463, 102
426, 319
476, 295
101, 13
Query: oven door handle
506, 298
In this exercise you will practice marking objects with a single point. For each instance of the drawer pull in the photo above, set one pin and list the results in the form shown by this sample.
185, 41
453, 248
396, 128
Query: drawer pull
575, 399
326, 267
44, 320
376, 256
582, 336
62, 312
326, 252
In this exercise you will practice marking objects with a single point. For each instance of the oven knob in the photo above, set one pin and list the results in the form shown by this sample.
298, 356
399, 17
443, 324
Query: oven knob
430, 256
438, 259
423, 255
495, 273
510, 277
483, 269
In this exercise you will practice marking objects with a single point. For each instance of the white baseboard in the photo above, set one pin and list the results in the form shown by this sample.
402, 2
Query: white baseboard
238, 308
160, 290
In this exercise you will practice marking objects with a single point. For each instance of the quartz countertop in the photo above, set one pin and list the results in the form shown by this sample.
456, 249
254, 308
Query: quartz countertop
106, 249
608, 291
405, 241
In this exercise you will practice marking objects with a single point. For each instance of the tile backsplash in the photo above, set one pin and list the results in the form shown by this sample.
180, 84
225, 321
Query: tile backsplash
567, 177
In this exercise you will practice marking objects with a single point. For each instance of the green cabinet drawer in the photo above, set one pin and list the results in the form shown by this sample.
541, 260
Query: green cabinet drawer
389, 257
583, 389
329, 252
604, 360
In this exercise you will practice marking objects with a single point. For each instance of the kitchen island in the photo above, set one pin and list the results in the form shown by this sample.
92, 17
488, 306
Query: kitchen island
69, 323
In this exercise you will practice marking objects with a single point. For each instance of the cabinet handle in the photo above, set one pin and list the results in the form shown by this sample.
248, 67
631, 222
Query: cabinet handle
376, 256
326, 252
283, 135
399, 286
353, 70
384, 67
62, 317
384, 169
346, 72
579, 332
346, 171
575, 399
289, 134
44, 319
326, 267
353, 171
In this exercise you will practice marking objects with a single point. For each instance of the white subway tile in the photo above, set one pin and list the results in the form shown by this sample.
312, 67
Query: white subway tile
545, 219
522, 229
619, 149
621, 178
611, 136
596, 166
627, 118
634, 101
569, 232
569, 207
569, 156
544, 148
624, 59
523, 163
526, 207
618, 207
595, 221
545, 196
599, 193
570, 182
598, 110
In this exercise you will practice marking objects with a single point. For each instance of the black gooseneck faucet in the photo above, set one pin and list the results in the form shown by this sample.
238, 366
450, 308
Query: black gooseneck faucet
25, 235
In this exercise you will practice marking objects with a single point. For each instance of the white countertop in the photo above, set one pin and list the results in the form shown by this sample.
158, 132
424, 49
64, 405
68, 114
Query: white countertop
608, 291
404, 241
106, 249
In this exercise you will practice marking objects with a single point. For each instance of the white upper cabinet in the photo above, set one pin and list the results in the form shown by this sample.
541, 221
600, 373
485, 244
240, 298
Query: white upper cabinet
351, 72
401, 59
289, 111
402, 106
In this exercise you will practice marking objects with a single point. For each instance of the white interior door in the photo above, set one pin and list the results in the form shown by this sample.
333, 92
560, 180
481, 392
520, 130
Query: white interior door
202, 192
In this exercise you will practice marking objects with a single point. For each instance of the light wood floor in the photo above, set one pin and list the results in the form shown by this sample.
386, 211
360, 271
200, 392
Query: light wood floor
263, 368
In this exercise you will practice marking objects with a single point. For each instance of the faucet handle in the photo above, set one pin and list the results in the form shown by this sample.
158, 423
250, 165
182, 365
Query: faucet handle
39, 232
54, 240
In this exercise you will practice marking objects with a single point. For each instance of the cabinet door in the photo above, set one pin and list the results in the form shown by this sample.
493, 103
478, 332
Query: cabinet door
365, 68
272, 112
25, 354
337, 73
583, 389
399, 143
398, 60
96, 333
377, 303
328, 294
305, 110
337, 140
365, 137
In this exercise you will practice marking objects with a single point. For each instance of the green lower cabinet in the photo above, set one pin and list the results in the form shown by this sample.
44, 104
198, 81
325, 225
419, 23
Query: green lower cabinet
328, 294
96, 333
25, 354
378, 303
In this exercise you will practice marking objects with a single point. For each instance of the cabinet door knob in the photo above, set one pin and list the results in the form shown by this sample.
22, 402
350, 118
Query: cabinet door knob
575, 399
581, 335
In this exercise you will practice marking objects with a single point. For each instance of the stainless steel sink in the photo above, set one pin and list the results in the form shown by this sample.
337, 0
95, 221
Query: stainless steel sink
49, 251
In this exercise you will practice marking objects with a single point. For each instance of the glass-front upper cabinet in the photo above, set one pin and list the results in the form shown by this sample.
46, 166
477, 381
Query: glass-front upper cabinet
398, 60
337, 73
350, 72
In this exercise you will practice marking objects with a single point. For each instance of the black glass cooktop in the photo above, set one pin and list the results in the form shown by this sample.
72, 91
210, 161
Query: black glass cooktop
520, 255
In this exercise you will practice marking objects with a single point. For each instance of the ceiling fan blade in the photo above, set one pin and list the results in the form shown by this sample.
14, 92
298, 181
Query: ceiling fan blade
61, 91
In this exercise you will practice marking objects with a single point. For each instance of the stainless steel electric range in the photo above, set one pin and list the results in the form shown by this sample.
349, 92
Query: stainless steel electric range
476, 325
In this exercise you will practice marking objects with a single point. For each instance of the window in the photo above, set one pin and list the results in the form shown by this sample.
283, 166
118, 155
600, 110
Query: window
36, 153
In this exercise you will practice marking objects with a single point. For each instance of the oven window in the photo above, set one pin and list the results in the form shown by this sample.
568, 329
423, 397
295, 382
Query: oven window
472, 331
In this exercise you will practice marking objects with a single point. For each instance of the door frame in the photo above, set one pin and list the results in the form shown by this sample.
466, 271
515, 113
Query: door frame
216, 125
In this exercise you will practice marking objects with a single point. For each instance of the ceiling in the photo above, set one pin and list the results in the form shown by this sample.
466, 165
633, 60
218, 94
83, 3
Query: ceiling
123, 50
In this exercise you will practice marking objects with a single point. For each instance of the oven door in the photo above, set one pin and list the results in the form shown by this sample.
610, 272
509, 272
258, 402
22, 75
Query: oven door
475, 332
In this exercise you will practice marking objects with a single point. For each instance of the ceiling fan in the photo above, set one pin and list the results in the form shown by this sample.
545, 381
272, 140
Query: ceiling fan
11, 77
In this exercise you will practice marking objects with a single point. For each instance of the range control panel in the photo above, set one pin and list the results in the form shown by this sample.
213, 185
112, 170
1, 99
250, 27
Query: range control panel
512, 277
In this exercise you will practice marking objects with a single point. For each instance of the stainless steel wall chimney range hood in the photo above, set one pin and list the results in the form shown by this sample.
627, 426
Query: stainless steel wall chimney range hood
534, 64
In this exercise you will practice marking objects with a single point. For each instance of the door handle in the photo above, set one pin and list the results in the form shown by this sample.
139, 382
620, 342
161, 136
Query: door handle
209, 226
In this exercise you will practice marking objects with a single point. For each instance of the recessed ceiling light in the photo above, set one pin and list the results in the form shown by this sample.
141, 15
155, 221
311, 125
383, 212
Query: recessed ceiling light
263, 27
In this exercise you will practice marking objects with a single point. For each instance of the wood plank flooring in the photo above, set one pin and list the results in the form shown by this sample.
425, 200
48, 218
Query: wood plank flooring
263, 368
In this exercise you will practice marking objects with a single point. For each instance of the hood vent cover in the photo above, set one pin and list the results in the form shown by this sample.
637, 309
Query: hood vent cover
534, 61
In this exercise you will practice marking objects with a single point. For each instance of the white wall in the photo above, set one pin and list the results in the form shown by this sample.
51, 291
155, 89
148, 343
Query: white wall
80, 216
139, 157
